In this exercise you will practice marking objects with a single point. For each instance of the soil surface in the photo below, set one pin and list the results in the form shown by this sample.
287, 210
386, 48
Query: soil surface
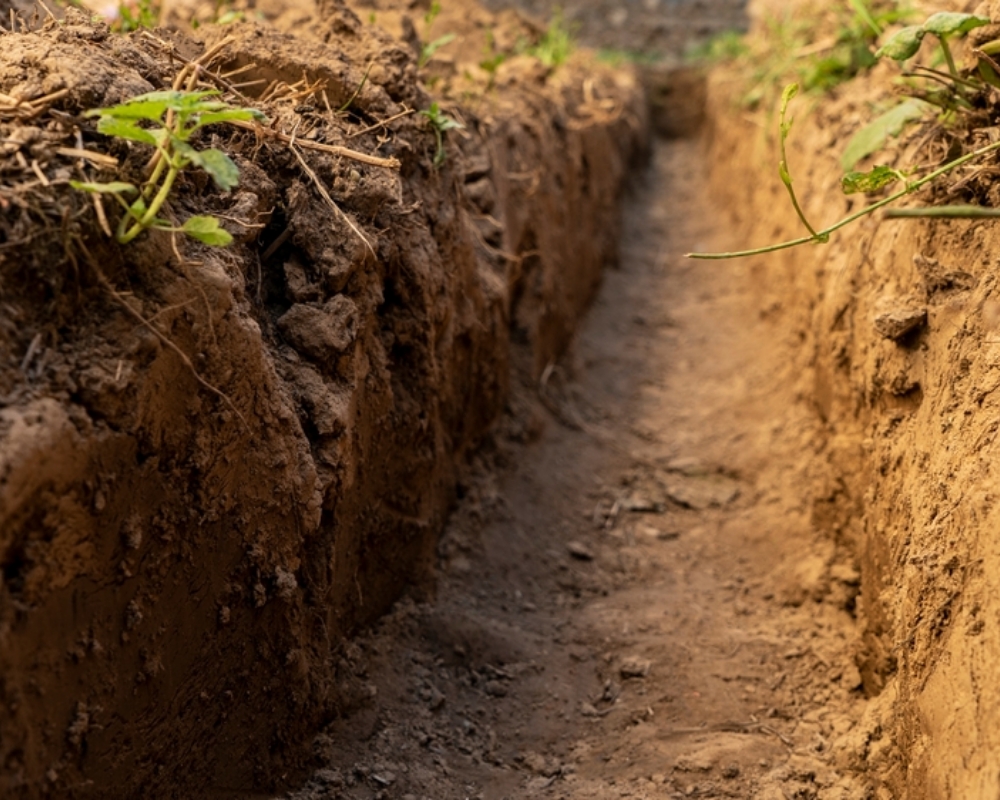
634, 605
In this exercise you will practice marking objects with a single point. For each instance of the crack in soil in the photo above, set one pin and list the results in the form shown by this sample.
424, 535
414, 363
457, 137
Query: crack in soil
636, 604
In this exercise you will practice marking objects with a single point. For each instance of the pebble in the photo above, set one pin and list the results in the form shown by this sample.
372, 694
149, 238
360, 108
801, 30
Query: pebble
580, 551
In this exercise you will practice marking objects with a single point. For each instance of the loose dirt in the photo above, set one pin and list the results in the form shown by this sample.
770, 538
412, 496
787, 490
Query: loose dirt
635, 605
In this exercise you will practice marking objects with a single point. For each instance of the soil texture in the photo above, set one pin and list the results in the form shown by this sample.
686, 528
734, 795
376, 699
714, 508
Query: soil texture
637, 604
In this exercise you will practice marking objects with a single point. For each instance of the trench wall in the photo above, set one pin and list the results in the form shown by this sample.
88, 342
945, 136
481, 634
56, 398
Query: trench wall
179, 570
911, 481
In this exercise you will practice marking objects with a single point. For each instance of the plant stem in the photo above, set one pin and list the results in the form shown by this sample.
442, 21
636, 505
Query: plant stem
161, 197
943, 212
825, 233
948, 57
819, 237
946, 49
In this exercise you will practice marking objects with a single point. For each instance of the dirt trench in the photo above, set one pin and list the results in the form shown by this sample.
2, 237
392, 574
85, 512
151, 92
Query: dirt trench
689, 549
637, 604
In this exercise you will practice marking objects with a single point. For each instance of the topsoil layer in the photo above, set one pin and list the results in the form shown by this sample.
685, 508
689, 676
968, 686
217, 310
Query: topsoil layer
215, 464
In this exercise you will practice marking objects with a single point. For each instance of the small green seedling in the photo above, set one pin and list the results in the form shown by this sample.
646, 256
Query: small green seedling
428, 50
432, 12
131, 16
440, 123
167, 121
556, 44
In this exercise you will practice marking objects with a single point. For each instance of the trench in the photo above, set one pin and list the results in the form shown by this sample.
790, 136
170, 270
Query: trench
647, 584
631, 600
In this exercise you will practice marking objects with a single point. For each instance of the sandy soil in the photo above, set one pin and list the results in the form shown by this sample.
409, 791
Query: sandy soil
634, 605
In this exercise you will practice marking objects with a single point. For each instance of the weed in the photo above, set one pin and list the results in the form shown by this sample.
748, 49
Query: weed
171, 119
617, 58
440, 124
428, 50
786, 51
432, 13
131, 16
492, 58
555, 45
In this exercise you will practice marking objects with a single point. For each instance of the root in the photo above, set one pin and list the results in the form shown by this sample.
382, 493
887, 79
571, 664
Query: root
165, 340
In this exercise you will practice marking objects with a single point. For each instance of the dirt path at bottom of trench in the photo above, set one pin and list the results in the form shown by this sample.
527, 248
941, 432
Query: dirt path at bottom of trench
631, 602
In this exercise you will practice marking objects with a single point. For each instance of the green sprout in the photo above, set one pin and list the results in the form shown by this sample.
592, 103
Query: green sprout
171, 118
432, 12
428, 50
131, 16
440, 123
556, 44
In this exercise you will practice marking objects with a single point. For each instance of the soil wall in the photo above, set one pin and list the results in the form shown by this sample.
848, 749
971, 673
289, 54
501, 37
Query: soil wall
216, 464
899, 323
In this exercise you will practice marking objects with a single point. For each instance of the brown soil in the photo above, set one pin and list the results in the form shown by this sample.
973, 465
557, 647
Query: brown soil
214, 465
637, 605
728, 538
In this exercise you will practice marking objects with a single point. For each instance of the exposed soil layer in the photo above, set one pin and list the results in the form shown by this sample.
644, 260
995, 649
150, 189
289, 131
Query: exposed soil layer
639, 604
216, 464
898, 324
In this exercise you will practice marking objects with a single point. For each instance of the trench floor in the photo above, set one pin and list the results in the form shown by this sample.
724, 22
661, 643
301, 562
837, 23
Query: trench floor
632, 601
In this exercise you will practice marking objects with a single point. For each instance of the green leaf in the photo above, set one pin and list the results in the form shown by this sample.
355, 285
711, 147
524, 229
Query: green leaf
153, 105
903, 44
871, 181
230, 114
873, 136
948, 23
208, 231
429, 49
220, 166
865, 14
125, 129
115, 187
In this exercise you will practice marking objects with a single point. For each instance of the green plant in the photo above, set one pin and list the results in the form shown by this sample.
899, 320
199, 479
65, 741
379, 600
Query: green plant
555, 45
167, 121
492, 58
725, 46
131, 16
428, 50
874, 180
440, 123
786, 49
432, 12
948, 91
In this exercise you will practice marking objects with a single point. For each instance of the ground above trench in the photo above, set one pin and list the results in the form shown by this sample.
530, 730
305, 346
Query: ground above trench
635, 604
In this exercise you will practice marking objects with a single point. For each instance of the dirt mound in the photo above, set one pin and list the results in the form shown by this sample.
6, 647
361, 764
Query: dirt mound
214, 464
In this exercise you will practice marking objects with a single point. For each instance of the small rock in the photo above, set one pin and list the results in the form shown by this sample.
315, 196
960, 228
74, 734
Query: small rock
635, 667
588, 710
580, 551
495, 689
330, 777
639, 504
731, 771
896, 324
